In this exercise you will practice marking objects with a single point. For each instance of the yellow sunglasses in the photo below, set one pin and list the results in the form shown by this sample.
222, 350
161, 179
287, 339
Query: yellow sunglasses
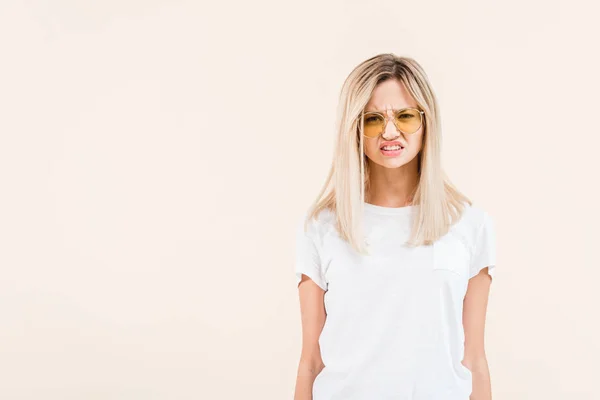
406, 120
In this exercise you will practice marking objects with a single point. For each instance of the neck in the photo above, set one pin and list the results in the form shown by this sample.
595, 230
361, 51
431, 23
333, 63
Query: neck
392, 187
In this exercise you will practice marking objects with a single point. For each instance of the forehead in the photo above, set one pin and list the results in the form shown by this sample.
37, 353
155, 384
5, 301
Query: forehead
390, 94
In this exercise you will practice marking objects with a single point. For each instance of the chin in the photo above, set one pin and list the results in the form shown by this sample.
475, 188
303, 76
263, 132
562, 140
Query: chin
393, 163
389, 163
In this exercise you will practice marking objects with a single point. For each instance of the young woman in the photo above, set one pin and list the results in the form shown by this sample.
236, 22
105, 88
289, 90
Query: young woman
393, 263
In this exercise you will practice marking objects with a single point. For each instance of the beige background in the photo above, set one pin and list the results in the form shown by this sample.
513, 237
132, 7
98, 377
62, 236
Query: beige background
155, 155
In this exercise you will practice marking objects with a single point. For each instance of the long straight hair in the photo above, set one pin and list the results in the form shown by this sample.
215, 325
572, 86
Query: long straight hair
440, 203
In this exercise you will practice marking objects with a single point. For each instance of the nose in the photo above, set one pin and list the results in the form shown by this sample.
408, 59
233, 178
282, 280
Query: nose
390, 131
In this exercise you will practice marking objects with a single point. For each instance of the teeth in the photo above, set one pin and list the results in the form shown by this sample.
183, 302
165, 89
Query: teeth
391, 147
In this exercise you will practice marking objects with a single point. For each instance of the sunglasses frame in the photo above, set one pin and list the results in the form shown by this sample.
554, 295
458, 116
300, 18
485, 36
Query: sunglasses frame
386, 119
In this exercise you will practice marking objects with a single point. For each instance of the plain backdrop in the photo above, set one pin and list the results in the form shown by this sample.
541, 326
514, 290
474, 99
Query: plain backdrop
155, 156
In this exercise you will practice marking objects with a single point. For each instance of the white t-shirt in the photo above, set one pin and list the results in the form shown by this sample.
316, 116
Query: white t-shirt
394, 318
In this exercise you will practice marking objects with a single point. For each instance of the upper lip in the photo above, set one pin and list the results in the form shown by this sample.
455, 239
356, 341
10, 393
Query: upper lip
392, 143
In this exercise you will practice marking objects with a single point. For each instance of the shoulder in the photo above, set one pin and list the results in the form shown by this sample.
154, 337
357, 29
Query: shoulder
478, 227
318, 225
482, 239
475, 221
474, 217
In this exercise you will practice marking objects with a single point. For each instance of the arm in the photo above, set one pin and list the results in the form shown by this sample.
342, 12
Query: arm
474, 313
312, 310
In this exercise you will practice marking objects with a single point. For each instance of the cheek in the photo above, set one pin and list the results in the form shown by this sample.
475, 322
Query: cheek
371, 148
415, 142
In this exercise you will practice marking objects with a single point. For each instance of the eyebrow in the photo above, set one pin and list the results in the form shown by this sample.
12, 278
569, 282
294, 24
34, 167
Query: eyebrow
393, 109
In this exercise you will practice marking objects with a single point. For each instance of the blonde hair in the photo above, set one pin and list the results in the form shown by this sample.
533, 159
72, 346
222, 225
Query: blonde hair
440, 204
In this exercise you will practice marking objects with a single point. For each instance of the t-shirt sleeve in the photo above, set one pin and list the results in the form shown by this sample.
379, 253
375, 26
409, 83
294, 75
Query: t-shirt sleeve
484, 251
307, 257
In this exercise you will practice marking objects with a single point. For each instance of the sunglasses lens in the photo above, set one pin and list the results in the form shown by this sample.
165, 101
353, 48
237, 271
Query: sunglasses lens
408, 121
374, 124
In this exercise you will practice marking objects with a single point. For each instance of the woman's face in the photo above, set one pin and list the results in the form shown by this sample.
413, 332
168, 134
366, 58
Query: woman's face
388, 95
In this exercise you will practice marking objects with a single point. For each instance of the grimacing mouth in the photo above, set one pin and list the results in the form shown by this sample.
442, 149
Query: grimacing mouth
402, 146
